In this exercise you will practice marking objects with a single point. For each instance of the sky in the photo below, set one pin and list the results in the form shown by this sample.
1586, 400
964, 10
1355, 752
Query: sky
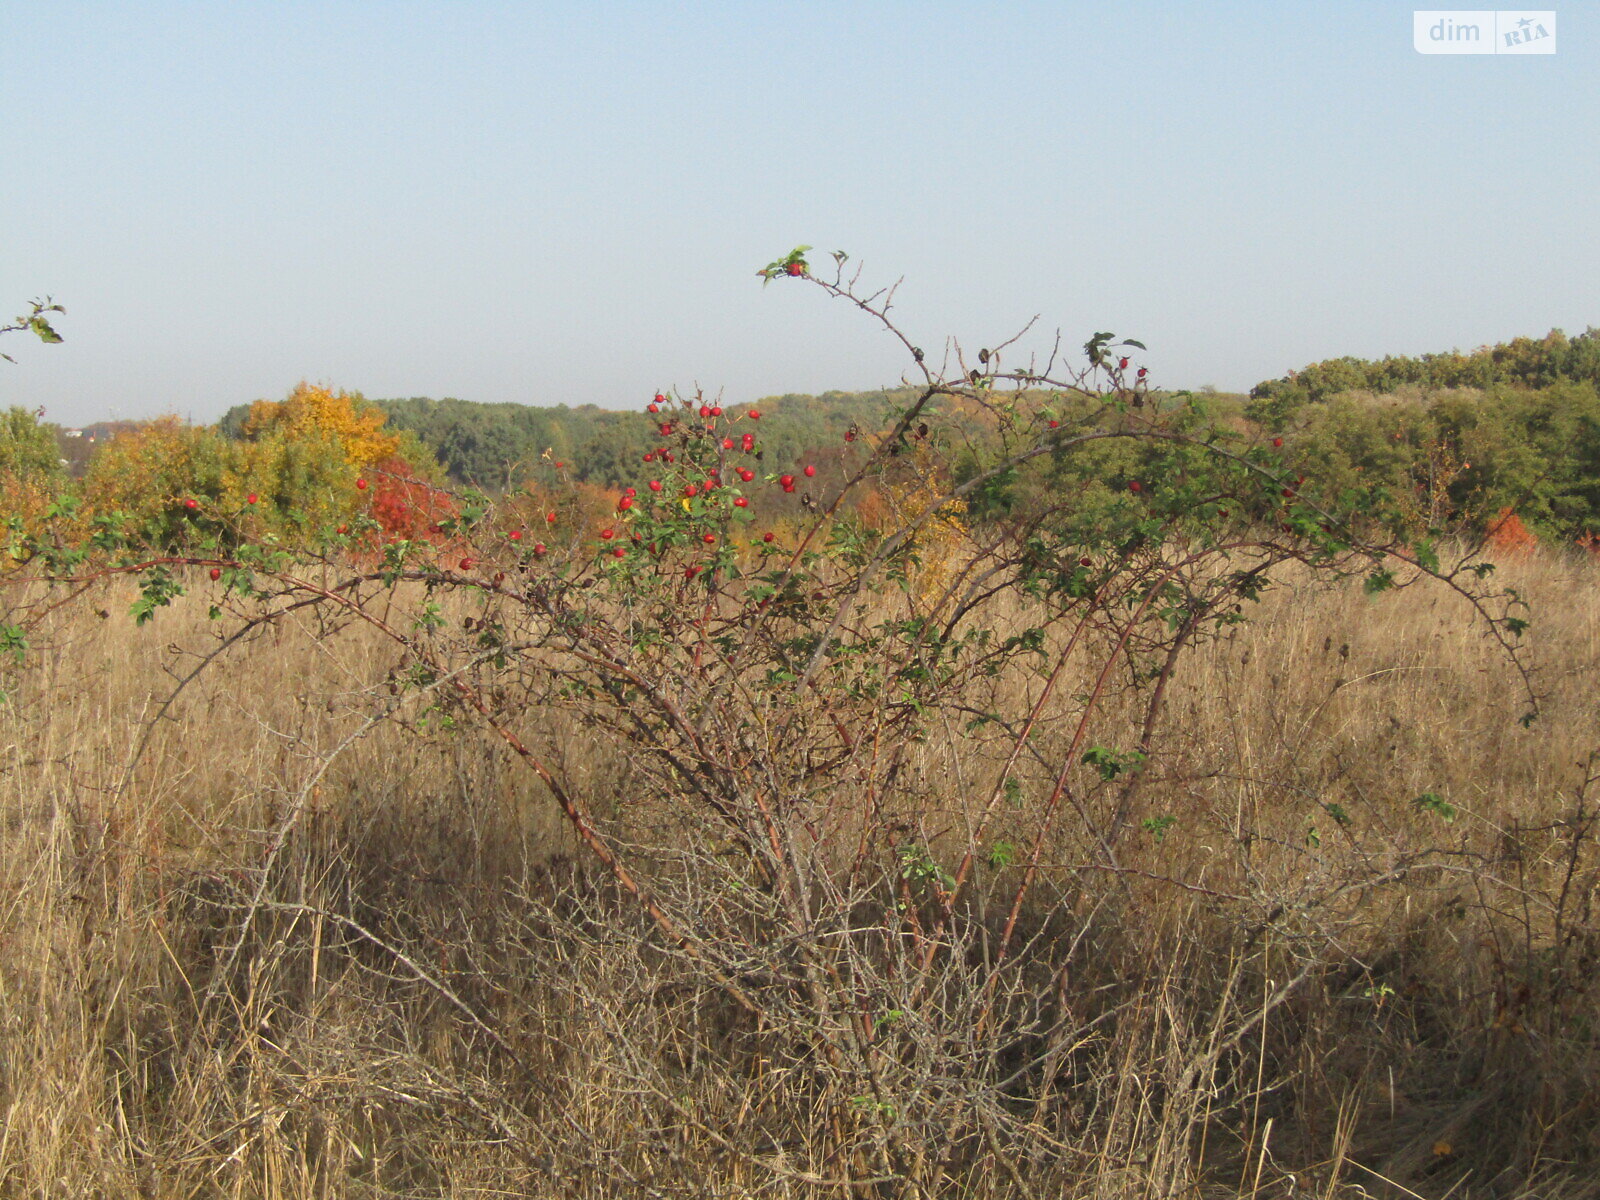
567, 202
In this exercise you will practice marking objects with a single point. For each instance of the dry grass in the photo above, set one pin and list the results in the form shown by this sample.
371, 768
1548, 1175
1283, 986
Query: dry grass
290, 937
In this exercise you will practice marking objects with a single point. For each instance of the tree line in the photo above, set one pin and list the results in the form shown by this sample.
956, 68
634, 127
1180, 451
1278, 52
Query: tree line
1456, 440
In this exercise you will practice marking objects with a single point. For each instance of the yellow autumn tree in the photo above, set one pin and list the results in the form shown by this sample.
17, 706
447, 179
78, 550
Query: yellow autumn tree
909, 496
313, 412
302, 458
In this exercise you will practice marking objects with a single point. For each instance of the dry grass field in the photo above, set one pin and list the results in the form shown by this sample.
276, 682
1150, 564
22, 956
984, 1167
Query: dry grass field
290, 935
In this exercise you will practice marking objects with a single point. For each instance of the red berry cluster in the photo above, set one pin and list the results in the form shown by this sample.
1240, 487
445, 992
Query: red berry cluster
699, 502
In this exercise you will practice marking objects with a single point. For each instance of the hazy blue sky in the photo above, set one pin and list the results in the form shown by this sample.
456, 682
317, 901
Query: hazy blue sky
549, 202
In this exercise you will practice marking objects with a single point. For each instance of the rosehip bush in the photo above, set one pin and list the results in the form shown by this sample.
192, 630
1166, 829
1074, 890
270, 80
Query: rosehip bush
867, 758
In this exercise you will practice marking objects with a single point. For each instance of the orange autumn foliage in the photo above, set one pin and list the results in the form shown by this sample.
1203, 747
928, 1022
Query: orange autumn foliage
1509, 536
405, 506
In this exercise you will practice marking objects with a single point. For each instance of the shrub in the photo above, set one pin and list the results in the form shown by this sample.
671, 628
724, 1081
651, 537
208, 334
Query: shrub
860, 791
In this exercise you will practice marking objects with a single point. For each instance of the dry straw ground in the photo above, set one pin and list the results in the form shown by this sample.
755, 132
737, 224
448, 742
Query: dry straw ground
293, 937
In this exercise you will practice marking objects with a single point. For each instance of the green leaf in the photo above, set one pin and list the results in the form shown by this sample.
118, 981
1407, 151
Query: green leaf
157, 589
13, 641
1434, 803
1002, 854
1157, 827
1111, 763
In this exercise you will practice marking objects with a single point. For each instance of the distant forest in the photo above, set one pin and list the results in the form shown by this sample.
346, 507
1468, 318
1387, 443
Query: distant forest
495, 446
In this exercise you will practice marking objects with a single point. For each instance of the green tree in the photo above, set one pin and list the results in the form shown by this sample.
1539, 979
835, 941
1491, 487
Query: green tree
27, 446
30, 468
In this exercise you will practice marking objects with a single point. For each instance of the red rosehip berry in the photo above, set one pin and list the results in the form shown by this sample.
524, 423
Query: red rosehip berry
655, 485
795, 269
710, 539
1277, 443
538, 549
746, 474
625, 504
649, 458
191, 504
629, 492
810, 471
666, 429
618, 552
1122, 364
549, 518
660, 399
1055, 424
559, 464
342, 529
690, 491
1135, 486
361, 484
766, 537
748, 441
608, 534
753, 415
690, 572
516, 535
216, 573
705, 410
716, 410
740, 502
787, 481
251, 498
466, 564
1143, 371
668, 458
727, 443
1086, 562
655, 408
